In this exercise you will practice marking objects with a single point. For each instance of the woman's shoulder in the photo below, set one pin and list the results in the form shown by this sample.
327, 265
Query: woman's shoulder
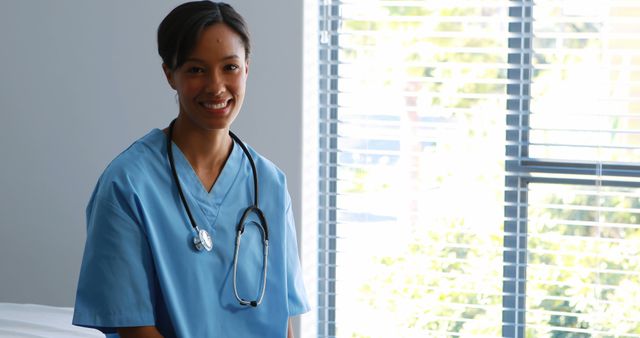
272, 179
266, 168
129, 175
138, 162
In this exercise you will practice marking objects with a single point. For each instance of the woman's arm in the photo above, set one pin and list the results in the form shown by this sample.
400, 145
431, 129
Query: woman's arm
140, 332
290, 331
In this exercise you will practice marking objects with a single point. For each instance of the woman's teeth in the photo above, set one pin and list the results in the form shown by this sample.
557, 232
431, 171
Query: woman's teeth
215, 105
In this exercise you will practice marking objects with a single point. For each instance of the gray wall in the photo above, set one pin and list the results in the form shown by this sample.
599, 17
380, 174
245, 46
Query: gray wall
79, 81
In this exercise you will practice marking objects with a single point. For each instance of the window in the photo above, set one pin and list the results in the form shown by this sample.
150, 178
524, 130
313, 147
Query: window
478, 169
572, 232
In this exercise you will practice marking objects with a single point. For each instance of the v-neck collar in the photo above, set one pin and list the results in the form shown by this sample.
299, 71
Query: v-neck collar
208, 201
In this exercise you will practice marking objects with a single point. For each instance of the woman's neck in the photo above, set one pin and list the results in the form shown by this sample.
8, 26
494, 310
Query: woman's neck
206, 150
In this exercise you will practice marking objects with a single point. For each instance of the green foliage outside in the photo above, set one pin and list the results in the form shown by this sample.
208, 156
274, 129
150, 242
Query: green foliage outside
584, 258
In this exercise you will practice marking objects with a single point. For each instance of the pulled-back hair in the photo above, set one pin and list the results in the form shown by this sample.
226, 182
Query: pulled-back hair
181, 28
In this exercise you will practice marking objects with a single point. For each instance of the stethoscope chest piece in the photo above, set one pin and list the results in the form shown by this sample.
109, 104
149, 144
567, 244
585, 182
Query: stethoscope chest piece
203, 241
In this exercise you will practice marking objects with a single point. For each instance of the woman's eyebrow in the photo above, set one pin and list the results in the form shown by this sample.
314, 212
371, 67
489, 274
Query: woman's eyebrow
228, 57
194, 60
232, 56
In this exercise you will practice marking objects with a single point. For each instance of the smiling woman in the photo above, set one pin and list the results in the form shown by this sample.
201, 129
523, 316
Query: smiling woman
165, 221
210, 79
211, 82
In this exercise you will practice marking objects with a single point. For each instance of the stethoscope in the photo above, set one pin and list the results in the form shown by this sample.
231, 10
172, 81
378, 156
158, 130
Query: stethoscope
203, 242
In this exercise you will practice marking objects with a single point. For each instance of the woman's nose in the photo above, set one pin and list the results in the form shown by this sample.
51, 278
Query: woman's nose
215, 84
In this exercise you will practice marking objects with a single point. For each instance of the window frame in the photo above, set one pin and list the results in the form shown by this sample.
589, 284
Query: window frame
327, 158
520, 168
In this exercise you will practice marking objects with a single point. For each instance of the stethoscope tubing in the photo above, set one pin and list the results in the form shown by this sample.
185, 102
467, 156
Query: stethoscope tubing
262, 224
177, 180
265, 255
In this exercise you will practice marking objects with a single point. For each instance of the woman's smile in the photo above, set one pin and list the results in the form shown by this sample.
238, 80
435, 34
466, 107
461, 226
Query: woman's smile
218, 107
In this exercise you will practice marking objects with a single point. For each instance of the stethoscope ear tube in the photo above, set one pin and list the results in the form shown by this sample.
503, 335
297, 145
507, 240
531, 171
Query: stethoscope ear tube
265, 257
262, 225
263, 221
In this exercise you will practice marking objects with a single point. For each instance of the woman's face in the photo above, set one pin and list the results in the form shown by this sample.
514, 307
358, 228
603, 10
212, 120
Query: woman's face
211, 83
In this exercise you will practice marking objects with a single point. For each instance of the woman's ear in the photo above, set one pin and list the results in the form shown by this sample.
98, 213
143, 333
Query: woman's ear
246, 67
169, 74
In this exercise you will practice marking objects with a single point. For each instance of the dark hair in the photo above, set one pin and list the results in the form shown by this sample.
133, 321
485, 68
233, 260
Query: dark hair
181, 28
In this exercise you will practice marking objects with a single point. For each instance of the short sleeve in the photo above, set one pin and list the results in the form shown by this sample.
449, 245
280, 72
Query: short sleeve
296, 294
117, 283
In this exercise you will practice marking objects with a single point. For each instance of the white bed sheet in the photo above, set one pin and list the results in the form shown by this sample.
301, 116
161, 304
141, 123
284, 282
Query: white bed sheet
40, 321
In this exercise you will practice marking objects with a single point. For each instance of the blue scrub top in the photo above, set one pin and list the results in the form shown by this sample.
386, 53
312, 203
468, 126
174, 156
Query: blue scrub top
140, 266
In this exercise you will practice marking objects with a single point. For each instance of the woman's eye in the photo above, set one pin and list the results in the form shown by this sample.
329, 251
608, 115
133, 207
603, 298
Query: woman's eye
195, 70
231, 67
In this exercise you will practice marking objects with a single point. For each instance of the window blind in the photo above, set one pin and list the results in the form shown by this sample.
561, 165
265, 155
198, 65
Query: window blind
427, 226
572, 170
412, 96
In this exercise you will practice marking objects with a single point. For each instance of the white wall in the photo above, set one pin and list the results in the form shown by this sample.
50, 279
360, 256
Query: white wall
79, 81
